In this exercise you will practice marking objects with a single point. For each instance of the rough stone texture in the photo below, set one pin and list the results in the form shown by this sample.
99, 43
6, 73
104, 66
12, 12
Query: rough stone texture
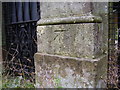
55, 71
77, 40
101, 9
53, 13
64, 9
72, 54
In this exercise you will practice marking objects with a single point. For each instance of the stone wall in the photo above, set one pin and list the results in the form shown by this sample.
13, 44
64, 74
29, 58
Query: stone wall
72, 45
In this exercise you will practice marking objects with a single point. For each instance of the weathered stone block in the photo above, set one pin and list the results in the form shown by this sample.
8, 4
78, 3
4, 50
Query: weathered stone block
64, 9
76, 40
72, 39
68, 72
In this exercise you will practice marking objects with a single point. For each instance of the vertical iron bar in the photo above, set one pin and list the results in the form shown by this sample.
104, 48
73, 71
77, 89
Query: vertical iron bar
33, 10
14, 19
19, 11
26, 11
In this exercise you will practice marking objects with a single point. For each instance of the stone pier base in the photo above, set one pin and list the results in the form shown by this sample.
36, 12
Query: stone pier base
72, 45
55, 71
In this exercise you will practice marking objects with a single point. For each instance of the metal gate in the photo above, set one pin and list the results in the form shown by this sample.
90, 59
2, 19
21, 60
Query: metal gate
20, 25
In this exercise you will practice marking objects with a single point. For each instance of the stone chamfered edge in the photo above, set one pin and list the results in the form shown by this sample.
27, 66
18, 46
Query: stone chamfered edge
66, 57
70, 20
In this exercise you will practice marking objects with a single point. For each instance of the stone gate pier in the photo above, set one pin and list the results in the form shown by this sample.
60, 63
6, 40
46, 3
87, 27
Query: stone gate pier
72, 45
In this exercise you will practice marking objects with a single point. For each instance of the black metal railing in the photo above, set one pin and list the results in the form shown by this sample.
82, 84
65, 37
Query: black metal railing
20, 25
21, 46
